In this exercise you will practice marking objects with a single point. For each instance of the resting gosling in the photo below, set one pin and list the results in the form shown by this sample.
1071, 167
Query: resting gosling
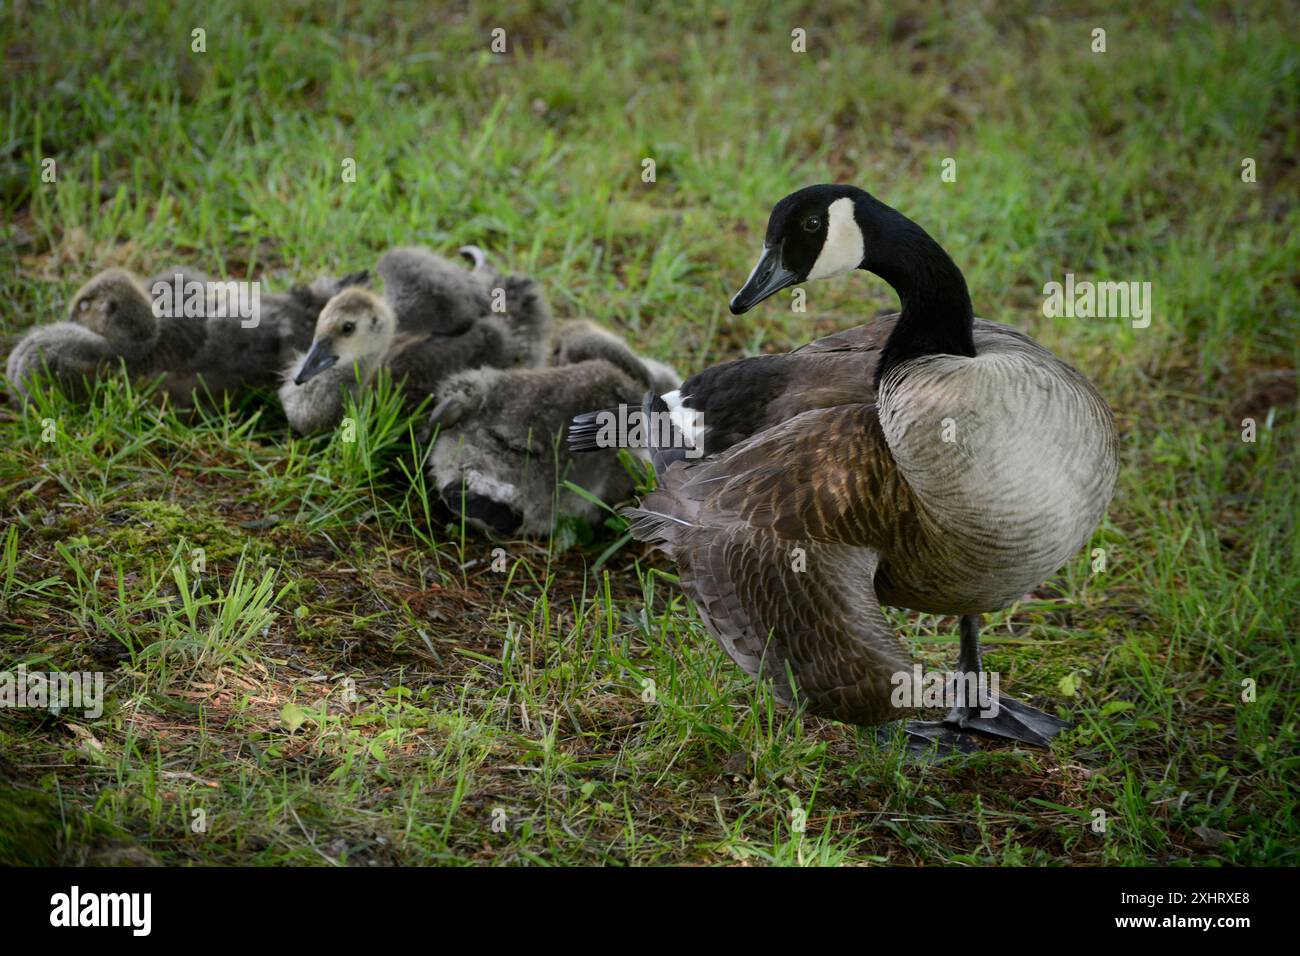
357, 335
430, 294
111, 320
498, 457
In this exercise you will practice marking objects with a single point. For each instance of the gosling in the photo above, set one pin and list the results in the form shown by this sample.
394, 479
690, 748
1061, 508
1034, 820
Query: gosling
498, 457
433, 295
357, 335
112, 323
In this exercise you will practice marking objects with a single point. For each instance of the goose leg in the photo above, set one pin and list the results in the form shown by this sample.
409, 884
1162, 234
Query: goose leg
928, 739
1013, 720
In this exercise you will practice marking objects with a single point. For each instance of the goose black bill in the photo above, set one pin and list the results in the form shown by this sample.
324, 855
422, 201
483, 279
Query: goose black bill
769, 277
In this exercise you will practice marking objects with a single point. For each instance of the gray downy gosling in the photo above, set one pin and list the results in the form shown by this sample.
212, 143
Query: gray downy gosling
356, 335
433, 295
111, 322
499, 457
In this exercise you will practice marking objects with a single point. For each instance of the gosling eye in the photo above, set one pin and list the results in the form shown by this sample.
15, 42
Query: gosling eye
349, 328
83, 305
812, 224
110, 307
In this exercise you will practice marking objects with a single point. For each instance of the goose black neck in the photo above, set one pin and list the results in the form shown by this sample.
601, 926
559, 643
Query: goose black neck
936, 316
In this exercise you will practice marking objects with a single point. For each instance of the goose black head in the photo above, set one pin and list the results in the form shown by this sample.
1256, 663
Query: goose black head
355, 326
811, 234
114, 305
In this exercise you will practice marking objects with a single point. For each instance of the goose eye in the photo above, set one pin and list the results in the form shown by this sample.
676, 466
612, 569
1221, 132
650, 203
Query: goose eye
812, 224
349, 328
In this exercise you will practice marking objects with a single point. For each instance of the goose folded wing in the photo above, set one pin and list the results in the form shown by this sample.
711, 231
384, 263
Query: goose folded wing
826, 474
776, 549
802, 614
862, 338
742, 398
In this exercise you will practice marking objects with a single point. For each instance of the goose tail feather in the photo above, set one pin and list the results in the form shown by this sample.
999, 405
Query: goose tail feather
662, 443
584, 430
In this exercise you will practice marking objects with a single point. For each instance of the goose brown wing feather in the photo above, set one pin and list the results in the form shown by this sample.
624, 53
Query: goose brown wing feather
826, 474
742, 398
777, 542
818, 622
862, 338
800, 613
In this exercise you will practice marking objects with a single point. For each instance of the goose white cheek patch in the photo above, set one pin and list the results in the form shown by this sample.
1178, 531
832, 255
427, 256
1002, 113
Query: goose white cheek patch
844, 248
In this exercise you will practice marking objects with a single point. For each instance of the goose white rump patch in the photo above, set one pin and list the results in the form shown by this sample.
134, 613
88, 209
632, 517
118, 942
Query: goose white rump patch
689, 421
844, 247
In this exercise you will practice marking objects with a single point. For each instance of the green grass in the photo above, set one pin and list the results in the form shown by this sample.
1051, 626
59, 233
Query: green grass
347, 679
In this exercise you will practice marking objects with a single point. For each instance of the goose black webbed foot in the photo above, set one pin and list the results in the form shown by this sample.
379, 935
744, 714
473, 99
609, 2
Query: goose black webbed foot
1013, 720
925, 740
1005, 718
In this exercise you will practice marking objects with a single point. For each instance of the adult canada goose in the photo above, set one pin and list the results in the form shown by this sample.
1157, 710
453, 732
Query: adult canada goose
430, 294
926, 460
497, 458
112, 320
358, 333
